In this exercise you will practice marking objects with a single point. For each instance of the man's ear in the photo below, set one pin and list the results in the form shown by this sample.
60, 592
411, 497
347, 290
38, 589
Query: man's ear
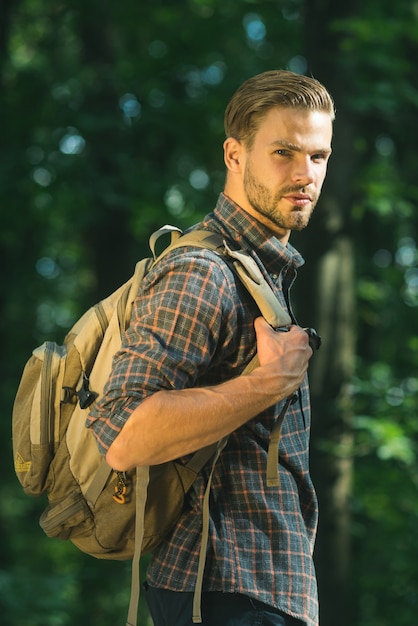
233, 154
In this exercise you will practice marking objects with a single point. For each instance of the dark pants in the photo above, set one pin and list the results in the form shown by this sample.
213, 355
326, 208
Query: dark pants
171, 608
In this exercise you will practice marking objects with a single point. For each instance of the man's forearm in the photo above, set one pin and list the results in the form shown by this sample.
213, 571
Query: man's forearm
170, 424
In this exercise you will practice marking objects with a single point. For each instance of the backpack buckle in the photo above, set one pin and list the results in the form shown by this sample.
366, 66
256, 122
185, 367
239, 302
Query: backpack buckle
85, 396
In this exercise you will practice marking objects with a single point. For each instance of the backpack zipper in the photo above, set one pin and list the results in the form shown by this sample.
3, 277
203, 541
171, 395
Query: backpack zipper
51, 362
46, 432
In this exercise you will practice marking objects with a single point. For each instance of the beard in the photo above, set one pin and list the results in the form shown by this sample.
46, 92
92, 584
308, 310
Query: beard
267, 203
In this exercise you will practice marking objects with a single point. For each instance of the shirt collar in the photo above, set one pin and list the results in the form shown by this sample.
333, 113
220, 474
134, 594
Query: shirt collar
249, 234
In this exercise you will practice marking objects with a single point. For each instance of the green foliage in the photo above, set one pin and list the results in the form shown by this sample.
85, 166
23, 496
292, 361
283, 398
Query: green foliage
112, 126
385, 510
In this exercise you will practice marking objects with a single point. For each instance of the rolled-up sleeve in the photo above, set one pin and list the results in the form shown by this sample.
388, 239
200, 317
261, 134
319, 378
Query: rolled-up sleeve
183, 323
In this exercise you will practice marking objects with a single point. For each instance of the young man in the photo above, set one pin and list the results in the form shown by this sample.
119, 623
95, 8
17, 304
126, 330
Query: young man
175, 385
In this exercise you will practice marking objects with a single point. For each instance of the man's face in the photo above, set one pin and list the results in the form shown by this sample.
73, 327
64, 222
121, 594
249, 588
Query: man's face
285, 167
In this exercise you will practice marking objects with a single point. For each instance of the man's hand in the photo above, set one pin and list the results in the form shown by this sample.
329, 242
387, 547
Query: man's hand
285, 353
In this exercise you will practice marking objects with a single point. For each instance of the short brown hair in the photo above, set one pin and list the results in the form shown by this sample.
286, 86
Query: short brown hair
276, 88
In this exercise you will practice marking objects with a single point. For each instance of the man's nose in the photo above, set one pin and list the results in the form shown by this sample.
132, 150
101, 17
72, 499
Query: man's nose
303, 172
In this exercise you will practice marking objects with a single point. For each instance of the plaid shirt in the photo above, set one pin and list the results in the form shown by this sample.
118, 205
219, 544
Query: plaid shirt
192, 326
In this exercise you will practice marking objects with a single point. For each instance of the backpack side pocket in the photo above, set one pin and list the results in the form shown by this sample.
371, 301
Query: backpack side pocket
36, 414
60, 518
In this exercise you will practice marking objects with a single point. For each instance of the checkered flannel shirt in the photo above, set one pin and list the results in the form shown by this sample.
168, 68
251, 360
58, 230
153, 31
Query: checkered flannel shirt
192, 325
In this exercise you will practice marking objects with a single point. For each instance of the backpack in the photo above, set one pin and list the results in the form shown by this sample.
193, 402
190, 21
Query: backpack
107, 514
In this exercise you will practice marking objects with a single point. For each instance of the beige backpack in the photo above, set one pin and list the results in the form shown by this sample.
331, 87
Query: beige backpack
107, 514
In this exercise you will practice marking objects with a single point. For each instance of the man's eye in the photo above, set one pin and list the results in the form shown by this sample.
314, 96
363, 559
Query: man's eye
319, 157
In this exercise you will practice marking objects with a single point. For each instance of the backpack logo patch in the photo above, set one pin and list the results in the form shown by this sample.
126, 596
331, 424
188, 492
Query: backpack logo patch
21, 465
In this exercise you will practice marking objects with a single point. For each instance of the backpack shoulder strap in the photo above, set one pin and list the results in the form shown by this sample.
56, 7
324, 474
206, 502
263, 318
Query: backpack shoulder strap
198, 460
252, 278
246, 269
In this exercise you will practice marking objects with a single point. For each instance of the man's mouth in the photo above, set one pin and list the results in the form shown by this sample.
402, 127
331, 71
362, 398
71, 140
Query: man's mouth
301, 200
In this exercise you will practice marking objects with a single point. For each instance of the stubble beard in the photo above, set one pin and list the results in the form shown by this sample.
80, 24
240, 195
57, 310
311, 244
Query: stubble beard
266, 203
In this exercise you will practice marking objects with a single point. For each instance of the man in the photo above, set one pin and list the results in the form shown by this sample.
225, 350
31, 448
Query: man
175, 386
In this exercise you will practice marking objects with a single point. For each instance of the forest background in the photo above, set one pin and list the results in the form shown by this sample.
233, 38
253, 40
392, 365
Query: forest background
112, 125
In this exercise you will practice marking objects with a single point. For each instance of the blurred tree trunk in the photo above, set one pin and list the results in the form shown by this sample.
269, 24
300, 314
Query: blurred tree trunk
108, 236
328, 285
7, 7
